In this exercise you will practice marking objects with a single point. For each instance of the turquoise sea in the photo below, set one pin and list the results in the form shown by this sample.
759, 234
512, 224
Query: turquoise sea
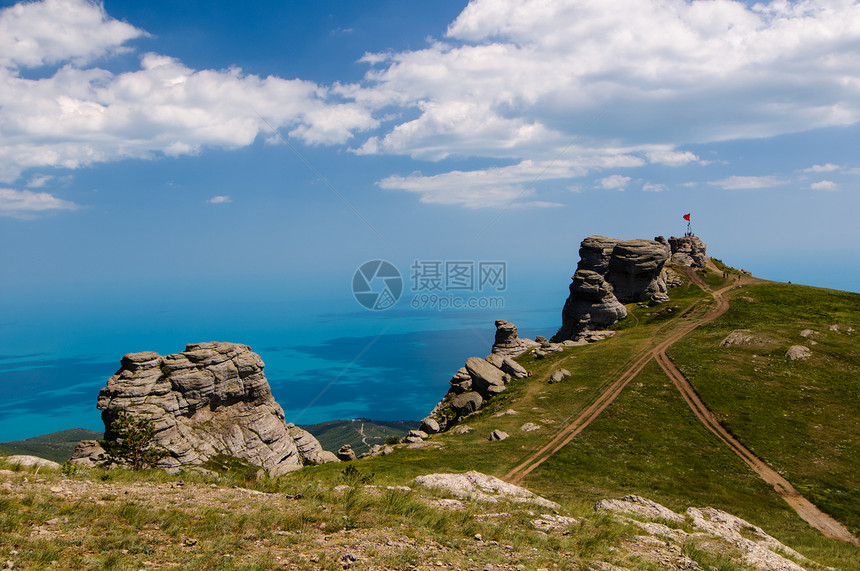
326, 356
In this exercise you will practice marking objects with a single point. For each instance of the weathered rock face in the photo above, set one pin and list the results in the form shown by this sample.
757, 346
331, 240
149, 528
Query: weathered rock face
634, 270
507, 341
610, 273
212, 398
688, 251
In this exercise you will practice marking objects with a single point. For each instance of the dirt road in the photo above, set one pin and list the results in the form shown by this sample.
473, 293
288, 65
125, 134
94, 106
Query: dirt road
804, 508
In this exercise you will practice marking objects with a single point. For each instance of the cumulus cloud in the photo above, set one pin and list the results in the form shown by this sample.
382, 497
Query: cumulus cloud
513, 76
34, 34
614, 182
824, 185
219, 200
83, 115
510, 79
27, 204
747, 182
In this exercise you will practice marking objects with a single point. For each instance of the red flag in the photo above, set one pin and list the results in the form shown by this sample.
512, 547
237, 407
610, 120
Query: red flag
687, 217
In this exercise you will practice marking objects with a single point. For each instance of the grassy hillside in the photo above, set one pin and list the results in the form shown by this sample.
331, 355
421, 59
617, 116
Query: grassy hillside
360, 433
799, 416
649, 443
57, 446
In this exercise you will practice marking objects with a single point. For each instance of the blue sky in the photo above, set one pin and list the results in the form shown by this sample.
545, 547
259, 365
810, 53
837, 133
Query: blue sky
148, 148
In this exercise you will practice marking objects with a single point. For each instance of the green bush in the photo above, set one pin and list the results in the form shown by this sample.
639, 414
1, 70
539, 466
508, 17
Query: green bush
134, 444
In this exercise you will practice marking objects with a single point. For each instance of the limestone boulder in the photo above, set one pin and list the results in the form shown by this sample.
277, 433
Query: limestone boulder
87, 453
635, 268
610, 273
486, 379
309, 447
798, 352
213, 398
466, 403
345, 453
688, 251
27, 461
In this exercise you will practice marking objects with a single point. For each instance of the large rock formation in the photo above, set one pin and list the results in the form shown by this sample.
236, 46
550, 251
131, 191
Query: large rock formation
213, 398
688, 251
507, 342
610, 273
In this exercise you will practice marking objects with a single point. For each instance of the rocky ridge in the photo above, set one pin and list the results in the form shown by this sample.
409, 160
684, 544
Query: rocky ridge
211, 399
480, 379
613, 272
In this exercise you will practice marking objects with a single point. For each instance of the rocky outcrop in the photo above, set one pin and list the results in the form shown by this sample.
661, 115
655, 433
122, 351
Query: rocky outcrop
798, 353
27, 461
309, 447
758, 549
610, 273
507, 342
211, 399
634, 271
688, 251
482, 488
88, 453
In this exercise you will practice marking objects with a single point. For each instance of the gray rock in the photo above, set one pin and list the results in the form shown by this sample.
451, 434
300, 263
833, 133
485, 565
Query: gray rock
27, 461
530, 427
610, 273
346, 453
462, 429
507, 342
559, 375
378, 450
429, 426
309, 447
796, 352
87, 453
634, 269
486, 379
213, 398
688, 251
514, 369
495, 360
807, 333
498, 435
466, 403
739, 337
420, 434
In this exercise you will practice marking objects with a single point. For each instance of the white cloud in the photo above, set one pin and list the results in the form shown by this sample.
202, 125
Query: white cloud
829, 167
514, 77
39, 181
623, 81
219, 200
747, 182
614, 182
824, 185
498, 187
651, 187
26, 203
33, 34
673, 158
79, 116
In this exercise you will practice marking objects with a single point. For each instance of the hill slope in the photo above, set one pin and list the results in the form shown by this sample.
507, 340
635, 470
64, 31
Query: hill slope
360, 433
56, 446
